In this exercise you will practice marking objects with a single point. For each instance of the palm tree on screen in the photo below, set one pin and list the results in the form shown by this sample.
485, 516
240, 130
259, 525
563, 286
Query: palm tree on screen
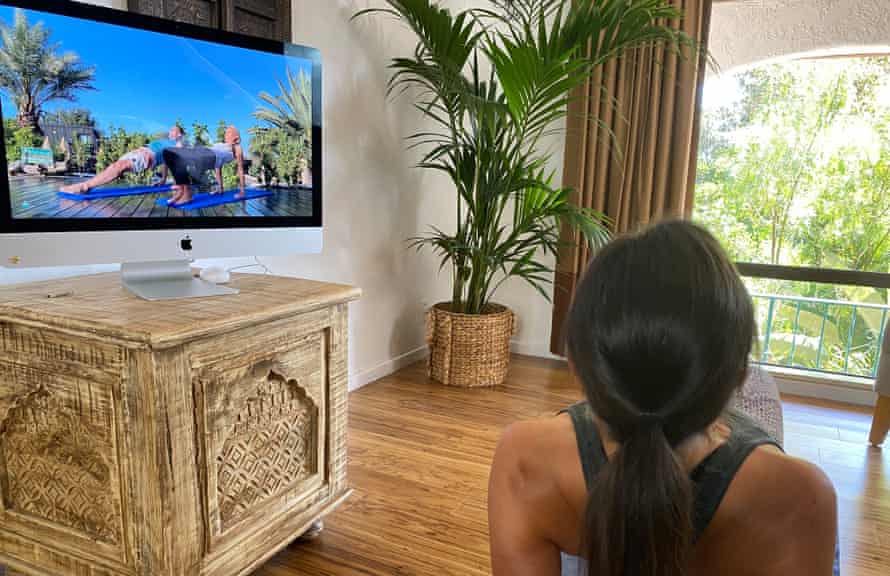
34, 72
291, 109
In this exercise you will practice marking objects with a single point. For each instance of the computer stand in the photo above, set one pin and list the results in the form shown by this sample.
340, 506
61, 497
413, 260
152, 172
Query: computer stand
167, 280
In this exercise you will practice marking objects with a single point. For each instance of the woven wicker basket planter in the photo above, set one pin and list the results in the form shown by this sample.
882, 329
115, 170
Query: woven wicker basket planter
469, 350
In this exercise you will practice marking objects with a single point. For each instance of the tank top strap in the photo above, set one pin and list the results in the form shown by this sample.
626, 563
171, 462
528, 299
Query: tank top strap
714, 474
711, 477
590, 445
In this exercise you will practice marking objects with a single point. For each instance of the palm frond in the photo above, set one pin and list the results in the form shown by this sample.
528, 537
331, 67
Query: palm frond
33, 71
493, 82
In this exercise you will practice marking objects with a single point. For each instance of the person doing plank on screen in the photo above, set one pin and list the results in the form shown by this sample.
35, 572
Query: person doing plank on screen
189, 165
137, 161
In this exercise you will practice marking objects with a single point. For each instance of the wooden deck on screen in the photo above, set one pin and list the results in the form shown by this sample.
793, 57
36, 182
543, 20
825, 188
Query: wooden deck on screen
35, 197
419, 461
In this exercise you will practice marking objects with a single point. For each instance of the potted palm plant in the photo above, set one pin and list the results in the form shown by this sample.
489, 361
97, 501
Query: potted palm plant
494, 81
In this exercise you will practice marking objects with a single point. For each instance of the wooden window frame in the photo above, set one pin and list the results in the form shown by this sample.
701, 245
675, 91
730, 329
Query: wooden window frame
819, 275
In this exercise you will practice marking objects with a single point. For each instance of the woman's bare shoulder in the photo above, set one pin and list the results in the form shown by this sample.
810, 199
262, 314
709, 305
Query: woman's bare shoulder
541, 457
537, 484
538, 454
782, 507
794, 482
534, 443
527, 512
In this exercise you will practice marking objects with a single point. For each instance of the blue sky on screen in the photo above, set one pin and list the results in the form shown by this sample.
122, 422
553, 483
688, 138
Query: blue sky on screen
145, 80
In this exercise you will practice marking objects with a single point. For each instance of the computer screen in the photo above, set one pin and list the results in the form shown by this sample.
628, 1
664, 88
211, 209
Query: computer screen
122, 121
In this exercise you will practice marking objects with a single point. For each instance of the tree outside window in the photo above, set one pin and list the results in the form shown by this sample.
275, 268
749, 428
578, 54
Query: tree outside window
794, 169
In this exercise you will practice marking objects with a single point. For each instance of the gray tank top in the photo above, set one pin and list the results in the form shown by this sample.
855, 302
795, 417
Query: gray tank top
711, 477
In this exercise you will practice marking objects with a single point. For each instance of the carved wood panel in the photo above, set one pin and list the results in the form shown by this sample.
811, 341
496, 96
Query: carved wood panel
271, 444
200, 12
125, 418
58, 352
58, 455
263, 18
262, 428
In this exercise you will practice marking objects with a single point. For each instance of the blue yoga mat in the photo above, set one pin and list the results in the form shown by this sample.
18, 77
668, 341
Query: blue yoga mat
205, 200
97, 193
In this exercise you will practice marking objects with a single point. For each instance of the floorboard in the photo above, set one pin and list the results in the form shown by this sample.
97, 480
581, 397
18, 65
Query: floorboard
419, 460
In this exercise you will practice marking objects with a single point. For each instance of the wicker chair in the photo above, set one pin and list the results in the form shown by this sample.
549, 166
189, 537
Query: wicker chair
759, 399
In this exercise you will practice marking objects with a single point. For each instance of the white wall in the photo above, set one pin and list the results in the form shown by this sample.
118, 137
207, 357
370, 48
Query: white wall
745, 32
437, 208
375, 199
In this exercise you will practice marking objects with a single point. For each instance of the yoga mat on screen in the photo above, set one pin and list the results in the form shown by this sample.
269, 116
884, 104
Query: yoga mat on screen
97, 193
205, 200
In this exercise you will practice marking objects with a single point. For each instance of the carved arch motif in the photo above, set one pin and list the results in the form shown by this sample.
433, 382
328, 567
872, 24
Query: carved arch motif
271, 445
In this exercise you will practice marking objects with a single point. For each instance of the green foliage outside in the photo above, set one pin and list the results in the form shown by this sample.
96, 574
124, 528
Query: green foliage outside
797, 172
291, 159
115, 144
230, 176
80, 155
279, 156
16, 138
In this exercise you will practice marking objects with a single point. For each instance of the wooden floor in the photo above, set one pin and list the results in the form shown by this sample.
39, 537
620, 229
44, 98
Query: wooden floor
35, 197
419, 462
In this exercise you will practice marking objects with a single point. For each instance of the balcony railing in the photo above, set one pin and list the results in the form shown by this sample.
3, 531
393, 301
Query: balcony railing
826, 335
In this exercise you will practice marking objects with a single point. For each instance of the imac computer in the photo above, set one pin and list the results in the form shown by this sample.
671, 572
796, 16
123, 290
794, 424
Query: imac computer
136, 140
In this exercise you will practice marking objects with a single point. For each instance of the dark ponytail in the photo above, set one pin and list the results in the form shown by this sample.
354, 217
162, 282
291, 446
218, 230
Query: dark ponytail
659, 335
640, 511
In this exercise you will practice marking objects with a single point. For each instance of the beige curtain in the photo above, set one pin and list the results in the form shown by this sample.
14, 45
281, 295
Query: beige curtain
644, 169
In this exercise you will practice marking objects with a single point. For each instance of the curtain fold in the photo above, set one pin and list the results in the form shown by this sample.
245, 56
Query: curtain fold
631, 145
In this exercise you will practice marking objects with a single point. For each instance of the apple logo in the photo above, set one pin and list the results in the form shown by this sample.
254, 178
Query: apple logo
186, 244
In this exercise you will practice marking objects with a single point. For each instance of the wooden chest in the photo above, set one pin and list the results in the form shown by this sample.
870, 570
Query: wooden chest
168, 438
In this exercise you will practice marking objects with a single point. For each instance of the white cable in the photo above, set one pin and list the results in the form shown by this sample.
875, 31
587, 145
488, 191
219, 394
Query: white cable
266, 269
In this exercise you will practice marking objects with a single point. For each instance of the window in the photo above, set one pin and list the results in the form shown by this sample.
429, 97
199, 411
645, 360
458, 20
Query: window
794, 178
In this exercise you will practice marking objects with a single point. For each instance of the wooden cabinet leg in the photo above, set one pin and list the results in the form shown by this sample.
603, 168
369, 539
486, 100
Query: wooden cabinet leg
880, 422
313, 532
